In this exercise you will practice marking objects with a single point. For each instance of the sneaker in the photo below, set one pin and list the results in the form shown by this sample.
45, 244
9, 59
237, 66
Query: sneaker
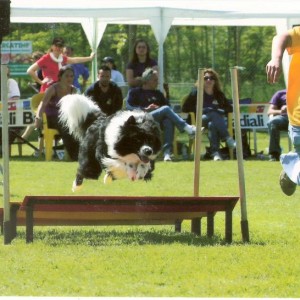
167, 157
286, 184
274, 157
191, 130
216, 156
230, 143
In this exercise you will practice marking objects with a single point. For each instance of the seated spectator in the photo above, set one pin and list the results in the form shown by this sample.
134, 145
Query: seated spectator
139, 62
13, 90
150, 99
80, 70
278, 121
49, 105
13, 93
215, 109
116, 76
105, 92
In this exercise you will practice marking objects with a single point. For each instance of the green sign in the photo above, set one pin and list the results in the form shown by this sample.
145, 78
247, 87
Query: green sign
17, 54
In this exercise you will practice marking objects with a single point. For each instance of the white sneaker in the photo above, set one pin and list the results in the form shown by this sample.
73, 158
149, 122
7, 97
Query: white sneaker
216, 156
190, 130
167, 157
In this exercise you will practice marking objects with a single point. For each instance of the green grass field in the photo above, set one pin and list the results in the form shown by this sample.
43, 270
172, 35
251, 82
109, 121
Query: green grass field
155, 261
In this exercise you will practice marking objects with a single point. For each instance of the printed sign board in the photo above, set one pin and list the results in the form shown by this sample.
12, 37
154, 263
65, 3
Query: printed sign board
254, 116
18, 55
19, 113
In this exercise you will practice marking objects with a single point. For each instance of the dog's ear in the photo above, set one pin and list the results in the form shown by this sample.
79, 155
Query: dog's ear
130, 121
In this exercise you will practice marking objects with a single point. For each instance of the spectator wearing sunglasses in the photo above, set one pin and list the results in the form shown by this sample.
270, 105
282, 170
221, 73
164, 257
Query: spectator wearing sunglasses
215, 109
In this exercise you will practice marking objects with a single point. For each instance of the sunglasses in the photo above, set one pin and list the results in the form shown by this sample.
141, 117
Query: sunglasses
209, 78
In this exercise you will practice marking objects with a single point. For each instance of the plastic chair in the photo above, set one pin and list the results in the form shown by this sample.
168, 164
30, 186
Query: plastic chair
35, 101
48, 133
49, 138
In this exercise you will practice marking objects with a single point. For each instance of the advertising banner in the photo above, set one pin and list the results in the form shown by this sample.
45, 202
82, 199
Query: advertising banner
17, 54
19, 113
254, 116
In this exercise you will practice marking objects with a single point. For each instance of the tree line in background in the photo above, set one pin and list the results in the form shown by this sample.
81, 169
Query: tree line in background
186, 49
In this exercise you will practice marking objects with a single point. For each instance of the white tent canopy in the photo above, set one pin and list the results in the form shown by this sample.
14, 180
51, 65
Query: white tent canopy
94, 15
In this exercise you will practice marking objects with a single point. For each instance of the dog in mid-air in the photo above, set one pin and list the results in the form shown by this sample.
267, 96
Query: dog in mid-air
124, 144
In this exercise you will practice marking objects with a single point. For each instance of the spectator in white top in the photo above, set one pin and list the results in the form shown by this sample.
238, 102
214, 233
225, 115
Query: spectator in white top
13, 91
116, 76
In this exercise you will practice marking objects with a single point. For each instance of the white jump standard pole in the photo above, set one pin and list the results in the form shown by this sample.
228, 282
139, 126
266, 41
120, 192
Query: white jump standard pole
239, 153
5, 157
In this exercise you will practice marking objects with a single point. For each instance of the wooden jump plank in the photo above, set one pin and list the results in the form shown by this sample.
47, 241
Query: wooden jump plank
116, 210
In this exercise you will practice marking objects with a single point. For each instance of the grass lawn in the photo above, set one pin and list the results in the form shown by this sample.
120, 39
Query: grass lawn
154, 260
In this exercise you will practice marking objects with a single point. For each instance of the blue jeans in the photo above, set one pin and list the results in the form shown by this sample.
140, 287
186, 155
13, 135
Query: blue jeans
294, 134
275, 125
167, 119
291, 161
217, 129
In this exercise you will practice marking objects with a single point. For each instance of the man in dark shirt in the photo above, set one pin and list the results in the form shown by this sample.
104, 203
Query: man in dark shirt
105, 92
278, 121
152, 100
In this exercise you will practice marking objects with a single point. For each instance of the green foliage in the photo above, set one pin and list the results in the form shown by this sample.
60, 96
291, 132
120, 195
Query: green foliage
154, 261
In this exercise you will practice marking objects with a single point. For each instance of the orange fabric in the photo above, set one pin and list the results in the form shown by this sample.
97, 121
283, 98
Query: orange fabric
293, 90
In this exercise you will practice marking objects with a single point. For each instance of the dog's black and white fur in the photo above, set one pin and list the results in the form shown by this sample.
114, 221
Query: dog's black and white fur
124, 144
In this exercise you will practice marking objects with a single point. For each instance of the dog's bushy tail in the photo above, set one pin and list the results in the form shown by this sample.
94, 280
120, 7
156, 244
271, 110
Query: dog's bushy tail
74, 111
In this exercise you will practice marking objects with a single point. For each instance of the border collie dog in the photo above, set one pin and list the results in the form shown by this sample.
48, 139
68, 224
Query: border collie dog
125, 144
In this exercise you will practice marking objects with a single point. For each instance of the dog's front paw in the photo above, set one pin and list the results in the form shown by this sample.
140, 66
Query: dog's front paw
107, 179
75, 187
77, 183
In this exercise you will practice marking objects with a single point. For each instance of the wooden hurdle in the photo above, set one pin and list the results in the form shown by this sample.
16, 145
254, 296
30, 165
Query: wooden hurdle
116, 210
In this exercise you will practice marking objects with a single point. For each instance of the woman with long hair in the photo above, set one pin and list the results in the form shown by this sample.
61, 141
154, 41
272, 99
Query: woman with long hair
139, 62
215, 109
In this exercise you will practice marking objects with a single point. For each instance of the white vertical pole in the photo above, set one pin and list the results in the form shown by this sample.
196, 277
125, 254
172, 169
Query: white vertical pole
239, 153
5, 155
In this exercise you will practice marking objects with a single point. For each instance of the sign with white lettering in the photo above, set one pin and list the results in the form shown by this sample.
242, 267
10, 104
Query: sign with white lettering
19, 113
16, 47
18, 55
254, 116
